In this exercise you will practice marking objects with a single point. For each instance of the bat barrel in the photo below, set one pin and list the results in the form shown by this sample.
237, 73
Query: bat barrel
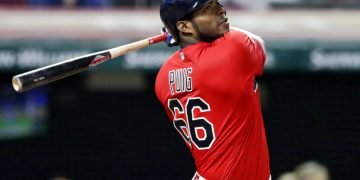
26, 81
57, 71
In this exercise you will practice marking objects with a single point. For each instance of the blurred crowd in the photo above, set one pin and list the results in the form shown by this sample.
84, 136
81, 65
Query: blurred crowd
238, 4
309, 170
57, 3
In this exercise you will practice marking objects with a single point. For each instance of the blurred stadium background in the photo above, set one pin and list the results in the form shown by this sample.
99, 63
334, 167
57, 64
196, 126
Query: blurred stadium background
106, 123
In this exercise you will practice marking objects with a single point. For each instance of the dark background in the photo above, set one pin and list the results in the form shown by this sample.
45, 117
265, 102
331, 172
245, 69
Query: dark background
125, 134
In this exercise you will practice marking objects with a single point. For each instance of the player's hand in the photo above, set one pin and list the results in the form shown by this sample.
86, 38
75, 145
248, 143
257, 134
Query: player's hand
170, 41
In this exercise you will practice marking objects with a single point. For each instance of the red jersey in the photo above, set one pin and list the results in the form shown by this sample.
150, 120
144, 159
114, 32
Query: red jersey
210, 94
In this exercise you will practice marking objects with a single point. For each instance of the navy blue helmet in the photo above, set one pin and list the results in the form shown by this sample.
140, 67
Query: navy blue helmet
171, 11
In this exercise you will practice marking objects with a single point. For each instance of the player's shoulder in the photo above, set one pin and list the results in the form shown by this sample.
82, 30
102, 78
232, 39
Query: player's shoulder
169, 60
232, 37
161, 81
164, 68
235, 33
232, 41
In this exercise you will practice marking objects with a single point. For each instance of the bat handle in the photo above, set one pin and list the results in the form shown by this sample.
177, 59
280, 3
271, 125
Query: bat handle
158, 38
121, 50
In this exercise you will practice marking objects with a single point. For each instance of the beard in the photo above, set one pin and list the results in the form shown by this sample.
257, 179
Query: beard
203, 36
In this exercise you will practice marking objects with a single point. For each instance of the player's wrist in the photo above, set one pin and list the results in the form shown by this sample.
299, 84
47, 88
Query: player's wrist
170, 41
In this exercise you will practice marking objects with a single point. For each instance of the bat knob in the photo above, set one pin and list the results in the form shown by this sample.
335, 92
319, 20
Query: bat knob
16, 83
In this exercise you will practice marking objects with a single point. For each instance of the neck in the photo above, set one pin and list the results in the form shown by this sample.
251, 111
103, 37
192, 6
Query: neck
185, 44
186, 41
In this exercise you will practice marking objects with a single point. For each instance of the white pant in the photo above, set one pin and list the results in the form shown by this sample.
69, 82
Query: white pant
197, 176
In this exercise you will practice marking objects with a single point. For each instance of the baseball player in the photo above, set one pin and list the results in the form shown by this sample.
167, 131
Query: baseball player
209, 92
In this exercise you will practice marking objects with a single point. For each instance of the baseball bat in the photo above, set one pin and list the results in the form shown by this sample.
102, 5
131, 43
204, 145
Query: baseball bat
50, 73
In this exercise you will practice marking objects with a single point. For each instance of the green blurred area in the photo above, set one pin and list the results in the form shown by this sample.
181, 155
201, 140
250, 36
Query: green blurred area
282, 55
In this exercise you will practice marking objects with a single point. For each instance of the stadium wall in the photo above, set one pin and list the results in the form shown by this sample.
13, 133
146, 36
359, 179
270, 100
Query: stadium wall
107, 124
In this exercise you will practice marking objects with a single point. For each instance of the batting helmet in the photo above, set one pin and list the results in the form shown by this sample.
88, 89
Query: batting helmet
171, 11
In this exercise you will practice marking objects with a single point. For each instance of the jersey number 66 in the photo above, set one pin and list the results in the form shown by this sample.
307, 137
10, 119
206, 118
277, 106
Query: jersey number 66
198, 130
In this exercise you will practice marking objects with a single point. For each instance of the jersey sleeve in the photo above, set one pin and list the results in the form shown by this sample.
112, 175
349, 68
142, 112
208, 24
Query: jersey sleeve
248, 50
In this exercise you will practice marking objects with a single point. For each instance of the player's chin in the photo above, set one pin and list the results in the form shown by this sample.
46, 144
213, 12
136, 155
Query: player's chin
224, 27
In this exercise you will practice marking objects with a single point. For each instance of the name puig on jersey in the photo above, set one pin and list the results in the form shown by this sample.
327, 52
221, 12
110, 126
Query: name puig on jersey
180, 80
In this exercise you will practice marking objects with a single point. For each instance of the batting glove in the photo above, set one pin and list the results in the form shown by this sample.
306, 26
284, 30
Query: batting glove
170, 41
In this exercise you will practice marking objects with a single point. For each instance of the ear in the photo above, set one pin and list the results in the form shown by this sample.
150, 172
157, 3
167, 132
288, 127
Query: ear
185, 27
